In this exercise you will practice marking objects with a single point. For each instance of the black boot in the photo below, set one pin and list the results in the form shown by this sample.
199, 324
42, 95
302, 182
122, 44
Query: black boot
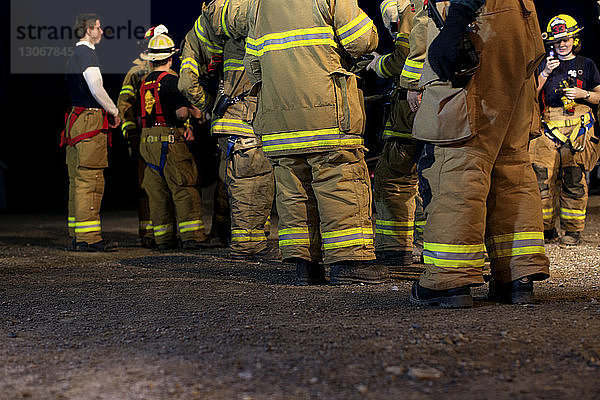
309, 273
550, 235
519, 291
571, 238
459, 297
391, 258
101, 246
357, 272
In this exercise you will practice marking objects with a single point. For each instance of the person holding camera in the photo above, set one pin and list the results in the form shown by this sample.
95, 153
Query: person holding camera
86, 137
569, 85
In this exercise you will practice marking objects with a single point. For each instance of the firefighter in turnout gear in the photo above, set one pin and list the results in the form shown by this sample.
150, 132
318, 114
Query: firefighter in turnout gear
310, 117
395, 184
481, 191
171, 174
218, 43
129, 111
86, 137
569, 85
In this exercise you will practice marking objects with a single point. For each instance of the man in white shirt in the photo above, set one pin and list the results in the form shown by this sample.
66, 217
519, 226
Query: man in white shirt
86, 136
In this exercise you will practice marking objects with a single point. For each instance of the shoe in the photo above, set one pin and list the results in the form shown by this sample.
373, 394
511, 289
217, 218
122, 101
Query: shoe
450, 298
550, 235
309, 273
571, 238
168, 246
519, 291
391, 258
101, 246
149, 243
217, 241
358, 272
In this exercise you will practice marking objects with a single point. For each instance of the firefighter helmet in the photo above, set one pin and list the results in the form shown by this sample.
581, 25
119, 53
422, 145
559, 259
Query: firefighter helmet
160, 47
562, 26
155, 30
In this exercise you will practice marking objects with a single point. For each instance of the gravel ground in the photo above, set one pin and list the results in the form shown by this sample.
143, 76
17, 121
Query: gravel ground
137, 324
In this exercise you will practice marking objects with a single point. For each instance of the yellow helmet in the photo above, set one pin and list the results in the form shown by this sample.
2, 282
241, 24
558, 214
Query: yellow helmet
562, 26
160, 47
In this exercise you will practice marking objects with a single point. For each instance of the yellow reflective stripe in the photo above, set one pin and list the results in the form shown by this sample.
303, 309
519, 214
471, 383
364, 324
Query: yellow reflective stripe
388, 133
307, 139
385, 227
127, 89
394, 223
233, 64
346, 33
160, 230
244, 235
290, 39
569, 213
479, 263
288, 231
402, 40
386, 4
127, 124
412, 69
146, 225
454, 248
381, 69
519, 251
191, 64
388, 232
230, 125
347, 237
301, 236
71, 222
223, 24
212, 47
511, 237
87, 226
563, 123
190, 226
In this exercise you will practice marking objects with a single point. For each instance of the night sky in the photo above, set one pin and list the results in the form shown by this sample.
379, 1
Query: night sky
34, 107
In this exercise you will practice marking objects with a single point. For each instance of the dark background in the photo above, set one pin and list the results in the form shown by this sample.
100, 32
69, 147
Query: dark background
33, 109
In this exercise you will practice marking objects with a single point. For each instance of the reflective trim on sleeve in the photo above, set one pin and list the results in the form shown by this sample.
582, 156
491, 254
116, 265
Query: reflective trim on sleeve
127, 89
402, 40
290, 39
355, 29
412, 69
212, 47
388, 133
454, 256
223, 21
380, 66
232, 64
191, 64
387, 4
347, 238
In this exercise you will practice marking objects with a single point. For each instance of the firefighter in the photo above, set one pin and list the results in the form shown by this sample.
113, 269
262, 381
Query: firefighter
219, 34
310, 117
86, 136
569, 85
395, 184
477, 112
128, 104
170, 175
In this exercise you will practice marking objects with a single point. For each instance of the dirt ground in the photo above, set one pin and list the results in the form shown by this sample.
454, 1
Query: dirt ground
138, 324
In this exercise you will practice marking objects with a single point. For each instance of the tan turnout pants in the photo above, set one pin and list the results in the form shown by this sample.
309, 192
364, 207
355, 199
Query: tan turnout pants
251, 188
483, 190
86, 161
324, 206
171, 185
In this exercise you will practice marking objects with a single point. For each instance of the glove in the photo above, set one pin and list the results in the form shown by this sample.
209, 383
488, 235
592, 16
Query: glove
443, 51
